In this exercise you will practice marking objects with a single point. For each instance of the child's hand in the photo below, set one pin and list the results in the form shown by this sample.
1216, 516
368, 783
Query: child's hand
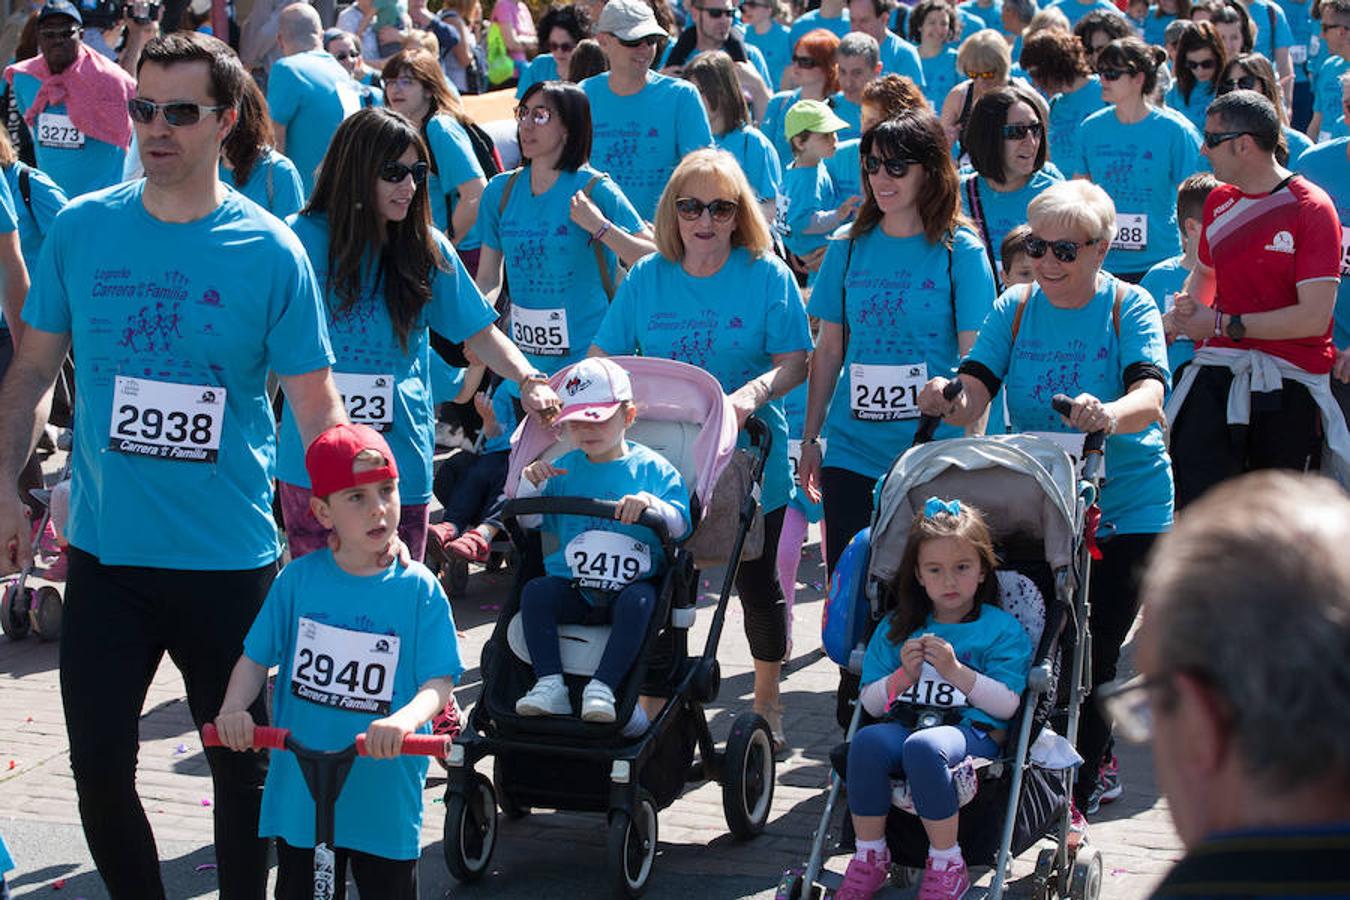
483, 403
235, 729
911, 658
384, 737
848, 208
939, 654
539, 471
630, 507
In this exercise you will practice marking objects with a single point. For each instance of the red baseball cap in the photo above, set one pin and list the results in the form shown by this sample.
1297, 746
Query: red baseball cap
330, 458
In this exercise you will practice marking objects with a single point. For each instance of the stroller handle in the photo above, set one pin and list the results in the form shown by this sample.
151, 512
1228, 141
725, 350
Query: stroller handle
585, 506
1063, 404
267, 738
928, 424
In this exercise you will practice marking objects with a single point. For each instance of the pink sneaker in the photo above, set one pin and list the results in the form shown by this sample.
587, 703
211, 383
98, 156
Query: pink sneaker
946, 880
864, 877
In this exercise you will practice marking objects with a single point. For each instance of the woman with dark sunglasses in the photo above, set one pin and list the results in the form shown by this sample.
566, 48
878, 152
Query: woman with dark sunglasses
716, 296
1200, 59
1253, 72
985, 59
1079, 331
1138, 154
391, 281
813, 75
560, 30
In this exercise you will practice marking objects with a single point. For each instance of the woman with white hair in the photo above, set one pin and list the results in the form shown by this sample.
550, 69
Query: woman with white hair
1083, 332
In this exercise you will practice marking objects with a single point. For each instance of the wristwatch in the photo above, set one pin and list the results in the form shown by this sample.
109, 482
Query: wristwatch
1235, 329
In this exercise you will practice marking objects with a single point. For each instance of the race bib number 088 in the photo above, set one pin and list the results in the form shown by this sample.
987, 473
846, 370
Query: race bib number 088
345, 669
163, 420
1131, 232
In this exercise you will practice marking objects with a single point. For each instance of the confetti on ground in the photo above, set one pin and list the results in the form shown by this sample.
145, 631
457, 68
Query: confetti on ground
1119, 871
180, 749
206, 801
29, 719
13, 764
205, 867
58, 884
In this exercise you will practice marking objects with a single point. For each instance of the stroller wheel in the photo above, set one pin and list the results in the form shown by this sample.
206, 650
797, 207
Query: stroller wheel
632, 847
1044, 880
14, 619
47, 613
509, 807
793, 886
470, 830
748, 769
1085, 878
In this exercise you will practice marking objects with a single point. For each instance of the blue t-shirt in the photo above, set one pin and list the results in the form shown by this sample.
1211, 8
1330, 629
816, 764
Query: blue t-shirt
90, 166
758, 159
453, 163
991, 16
1301, 30
808, 191
638, 140
273, 183
365, 344
365, 625
1075, 10
178, 319
1328, 166
34, 218
906, 300
505, 396
811, 20
851, 113
9, 223
1202, 95
1155, 25
1327, 93
940, 75
774, 123
1299, 143
730, 324
557, 296
1067, 112
794, 407
752, 56
1002, 211
776, 45
1140, 166
310, 94
639, 469
995, 644
1263, 13
1162, 282
845, 168
1075, 351
900, 57
542, 68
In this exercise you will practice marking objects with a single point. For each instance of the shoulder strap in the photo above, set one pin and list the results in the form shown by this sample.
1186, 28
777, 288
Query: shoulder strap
26, 187
1115, 307
843, 296
950, 242
1270, 14
506, 191
1017, 315
977, 212
271, 189
606, 279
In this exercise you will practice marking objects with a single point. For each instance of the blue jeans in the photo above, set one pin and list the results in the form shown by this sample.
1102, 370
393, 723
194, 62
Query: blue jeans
925, 758
550, 601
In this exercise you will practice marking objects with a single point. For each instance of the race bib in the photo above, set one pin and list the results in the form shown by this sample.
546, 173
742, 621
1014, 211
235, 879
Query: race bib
162, 420
886, 393
368, 399
933, 690
56, 130
1071, 442
607, 560
344, 669
1314, 44
540, 332
1298, 54
1131, 231
1345, 251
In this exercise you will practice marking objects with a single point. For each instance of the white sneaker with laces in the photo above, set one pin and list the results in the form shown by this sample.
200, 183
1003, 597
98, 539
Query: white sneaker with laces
597, 702
548, 697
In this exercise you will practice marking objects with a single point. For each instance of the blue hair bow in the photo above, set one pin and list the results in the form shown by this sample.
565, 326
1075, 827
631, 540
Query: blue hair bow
936, 505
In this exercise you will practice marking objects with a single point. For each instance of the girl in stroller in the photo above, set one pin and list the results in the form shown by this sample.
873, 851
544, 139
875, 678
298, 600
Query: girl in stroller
944, 672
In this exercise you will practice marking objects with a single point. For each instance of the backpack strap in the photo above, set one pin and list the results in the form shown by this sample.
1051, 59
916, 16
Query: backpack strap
26, 187
606, 279
843, 297
271, 189
506, 191
1115, 307
1017, 315
977, 212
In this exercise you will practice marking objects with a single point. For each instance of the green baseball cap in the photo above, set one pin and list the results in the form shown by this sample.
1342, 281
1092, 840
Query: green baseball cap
812, 115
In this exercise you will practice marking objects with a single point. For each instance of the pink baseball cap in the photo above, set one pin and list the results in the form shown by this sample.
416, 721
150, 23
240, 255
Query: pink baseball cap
593, 391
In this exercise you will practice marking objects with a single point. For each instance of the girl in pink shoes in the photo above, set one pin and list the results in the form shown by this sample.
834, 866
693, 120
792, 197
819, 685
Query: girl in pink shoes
949, 652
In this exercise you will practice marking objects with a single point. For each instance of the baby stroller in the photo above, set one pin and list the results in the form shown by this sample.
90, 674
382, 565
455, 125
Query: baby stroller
23, 608
1040, 512
566, 764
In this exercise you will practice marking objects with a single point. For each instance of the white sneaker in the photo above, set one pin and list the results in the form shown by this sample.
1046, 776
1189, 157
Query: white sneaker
548, 697
597, 702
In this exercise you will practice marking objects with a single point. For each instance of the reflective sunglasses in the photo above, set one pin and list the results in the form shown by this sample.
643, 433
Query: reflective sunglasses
538, 115
650, 40
1245, 82
1113, 74
177, 114
1018, 131
1065, 251
691, 209
982, 76
394, 172
563, 47
804, 62
716, 12
1197, 64
895, 166
1215, 138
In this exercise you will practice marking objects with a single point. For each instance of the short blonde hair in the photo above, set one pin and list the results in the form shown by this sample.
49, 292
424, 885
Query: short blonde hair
1047, 19
1075, 204
752, 232
985, 51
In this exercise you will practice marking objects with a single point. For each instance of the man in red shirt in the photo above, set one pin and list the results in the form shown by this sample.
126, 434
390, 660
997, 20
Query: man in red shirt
1261, 300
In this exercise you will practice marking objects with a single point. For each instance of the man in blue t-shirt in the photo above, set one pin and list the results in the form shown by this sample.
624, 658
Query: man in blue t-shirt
897, 55
177, 313
711, 30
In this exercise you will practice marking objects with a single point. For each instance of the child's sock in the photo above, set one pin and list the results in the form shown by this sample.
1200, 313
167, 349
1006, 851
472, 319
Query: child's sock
877, 848
951, 854
637, 722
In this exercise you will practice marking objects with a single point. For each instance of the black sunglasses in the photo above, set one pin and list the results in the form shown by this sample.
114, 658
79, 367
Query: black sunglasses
691, 209
1215, 138
804, 62
1194, 64
1018, 131
650, 40
177, 114
564, 47
1245, 82
895, 166
716, 12
1065, 251
1113, 74
394, 172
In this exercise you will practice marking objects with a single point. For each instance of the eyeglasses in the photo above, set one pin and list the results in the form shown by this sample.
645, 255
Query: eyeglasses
691, 209
1018, 131
563, 47
394, 172
403, 82
1113, 74
804, 62
716, 12
982, 76
58, 34
1245, 82
1127, 705
1065, 251
895, 166
177, 114
1215, 138
538, 115
650, 40
1197, 64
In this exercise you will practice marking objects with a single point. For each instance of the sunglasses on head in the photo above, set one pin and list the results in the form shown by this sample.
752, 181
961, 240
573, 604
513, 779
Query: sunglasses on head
1197, 64
1215, 138
650, 40
1244, 82
1018, 131
538, 115
895, 166
564, 47
691, 209
982, 76
177, 114
1065, 251
804, 62
394, 172
716, 12
1113, 74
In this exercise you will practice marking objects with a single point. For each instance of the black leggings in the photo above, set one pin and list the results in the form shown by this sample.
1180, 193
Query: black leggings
119, 621
762, 596
847, 500
377, 878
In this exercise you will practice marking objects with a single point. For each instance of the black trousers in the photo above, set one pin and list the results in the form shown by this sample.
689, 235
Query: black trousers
377, 878
847, 500
762, 596
119, 622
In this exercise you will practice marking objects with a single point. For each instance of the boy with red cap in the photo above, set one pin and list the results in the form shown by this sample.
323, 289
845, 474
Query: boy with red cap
601, 570
364, 647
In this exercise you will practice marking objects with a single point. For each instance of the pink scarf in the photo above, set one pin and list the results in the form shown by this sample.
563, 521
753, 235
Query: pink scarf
94, 89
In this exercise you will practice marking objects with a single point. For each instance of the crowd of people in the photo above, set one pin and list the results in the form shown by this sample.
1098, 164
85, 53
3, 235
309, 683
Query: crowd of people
306, 254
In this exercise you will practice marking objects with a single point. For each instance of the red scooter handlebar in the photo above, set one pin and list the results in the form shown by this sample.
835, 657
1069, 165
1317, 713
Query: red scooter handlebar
267, 738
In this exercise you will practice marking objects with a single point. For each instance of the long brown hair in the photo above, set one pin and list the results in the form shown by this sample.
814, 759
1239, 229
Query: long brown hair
917, 135
252, 133
406, 253
1200, 36
426, 69
912, 603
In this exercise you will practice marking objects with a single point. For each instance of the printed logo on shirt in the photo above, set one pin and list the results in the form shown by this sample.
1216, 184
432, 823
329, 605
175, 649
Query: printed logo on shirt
1283, 242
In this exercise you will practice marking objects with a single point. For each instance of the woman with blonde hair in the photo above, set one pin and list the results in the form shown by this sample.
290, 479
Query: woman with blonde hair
715, 296
986, 61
